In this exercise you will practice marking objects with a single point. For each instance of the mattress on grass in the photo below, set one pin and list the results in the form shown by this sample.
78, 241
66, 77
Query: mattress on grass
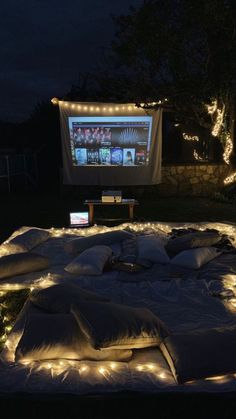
184, 299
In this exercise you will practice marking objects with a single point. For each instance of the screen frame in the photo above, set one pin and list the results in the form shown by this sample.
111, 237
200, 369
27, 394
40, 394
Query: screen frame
78, 225
114, 121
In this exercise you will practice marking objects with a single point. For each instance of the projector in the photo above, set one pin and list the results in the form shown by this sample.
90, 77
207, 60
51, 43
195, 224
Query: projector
111, 196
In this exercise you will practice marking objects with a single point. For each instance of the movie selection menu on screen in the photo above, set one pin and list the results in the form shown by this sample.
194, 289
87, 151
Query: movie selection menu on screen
111, 141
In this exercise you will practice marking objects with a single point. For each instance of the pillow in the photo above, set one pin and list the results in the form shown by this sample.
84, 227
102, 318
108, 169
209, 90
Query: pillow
195, 258
22, 263
53, 336
26, 241
115, 326
78, 245
90, 262
192, 240
201, 353
58, 298
151, 248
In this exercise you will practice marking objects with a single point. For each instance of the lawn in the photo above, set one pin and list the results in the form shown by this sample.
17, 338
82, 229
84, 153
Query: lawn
52, 209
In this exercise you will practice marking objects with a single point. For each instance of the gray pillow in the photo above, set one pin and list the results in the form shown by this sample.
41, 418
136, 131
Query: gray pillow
57, 336
195, 258
192, 240
201, 353
26, 241
22, 263
78, 245
90, 262
151, 249
115, 326
58, 298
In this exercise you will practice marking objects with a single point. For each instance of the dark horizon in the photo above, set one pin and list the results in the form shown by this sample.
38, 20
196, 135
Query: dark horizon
45, 47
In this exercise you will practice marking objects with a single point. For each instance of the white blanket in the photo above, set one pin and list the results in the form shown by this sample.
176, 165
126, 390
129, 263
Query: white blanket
182, 298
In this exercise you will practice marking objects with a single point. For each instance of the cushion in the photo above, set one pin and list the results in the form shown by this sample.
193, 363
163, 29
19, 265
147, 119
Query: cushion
115, 326
192, 240
195, 258
58, 298
201, 353
151, 248
22, 263
53, 336
78, 245
91, 261
26, 241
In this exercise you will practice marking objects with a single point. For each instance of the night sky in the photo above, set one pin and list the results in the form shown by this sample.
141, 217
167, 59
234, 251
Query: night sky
46, 44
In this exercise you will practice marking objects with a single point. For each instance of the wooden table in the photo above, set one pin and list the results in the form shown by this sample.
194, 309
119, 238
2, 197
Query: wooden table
93, 202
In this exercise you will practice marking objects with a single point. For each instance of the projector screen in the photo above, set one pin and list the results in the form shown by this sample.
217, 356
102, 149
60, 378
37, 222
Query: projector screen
110, 144
110, 140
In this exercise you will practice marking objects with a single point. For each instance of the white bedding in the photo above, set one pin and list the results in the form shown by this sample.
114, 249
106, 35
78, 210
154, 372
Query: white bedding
181, 298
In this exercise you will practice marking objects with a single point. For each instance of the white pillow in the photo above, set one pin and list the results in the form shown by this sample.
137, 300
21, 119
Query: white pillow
53, 336
151, 248
195, 258
90, 262
26, 241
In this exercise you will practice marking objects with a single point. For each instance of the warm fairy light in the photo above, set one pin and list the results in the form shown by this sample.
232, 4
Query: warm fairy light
162, 375
230, 179
197, 156
212, 107
228, 148
113, 365
55, 101
102, 370
83, 368
217, 116
219, 121
188, 137
116, 108
215, 378
25, 362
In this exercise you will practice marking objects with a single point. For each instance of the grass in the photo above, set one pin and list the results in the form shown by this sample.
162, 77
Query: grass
10, 305
52, 209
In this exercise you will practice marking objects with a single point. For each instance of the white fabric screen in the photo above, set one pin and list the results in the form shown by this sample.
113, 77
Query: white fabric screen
113, 175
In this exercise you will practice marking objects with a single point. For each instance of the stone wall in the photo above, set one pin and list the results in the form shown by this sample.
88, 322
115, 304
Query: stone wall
201, 180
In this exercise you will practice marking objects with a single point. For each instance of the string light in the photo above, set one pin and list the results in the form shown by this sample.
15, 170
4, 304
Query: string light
197, 156
116, 108
188, 137
228, 148
212, 107
230, 179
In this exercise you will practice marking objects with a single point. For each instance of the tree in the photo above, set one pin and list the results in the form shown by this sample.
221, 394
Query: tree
184, 51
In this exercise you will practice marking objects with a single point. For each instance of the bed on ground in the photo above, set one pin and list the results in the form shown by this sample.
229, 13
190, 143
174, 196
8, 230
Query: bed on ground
144, 308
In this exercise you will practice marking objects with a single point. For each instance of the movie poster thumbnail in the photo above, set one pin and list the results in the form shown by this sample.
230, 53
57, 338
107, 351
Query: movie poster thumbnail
81, 156
141, 157
92, 156
105, 156
128, 156
116, 156
91, 136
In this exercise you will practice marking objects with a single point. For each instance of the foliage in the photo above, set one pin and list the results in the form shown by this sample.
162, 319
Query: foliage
181, 50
